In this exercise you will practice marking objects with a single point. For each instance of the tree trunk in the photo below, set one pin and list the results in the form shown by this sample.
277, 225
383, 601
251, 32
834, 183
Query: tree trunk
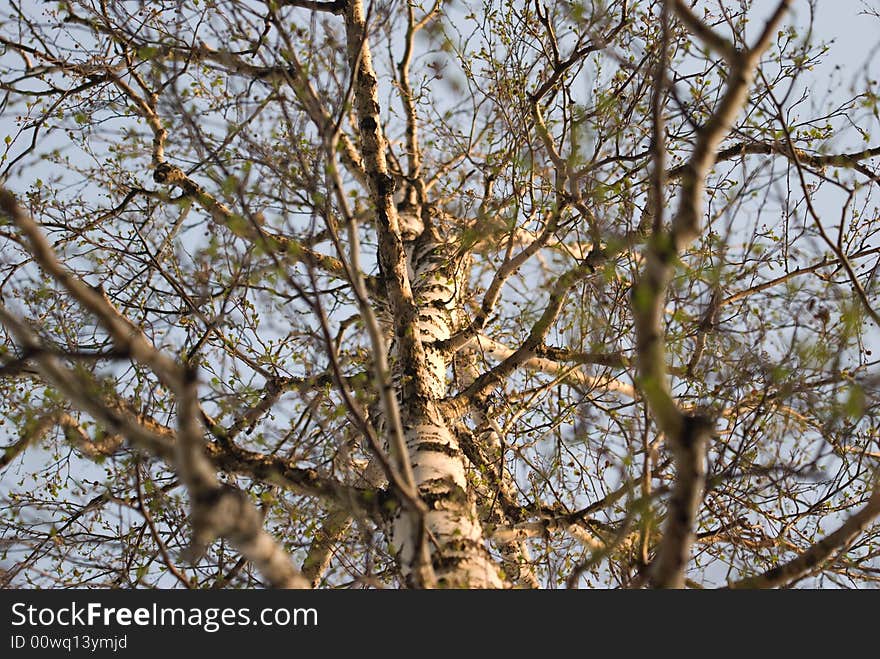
457, 548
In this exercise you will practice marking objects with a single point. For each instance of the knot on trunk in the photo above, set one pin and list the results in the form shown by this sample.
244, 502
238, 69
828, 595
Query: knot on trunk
697, 427
694, 437
168, 173
385, 184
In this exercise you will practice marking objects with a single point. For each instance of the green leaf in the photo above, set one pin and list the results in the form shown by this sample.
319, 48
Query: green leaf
854, 407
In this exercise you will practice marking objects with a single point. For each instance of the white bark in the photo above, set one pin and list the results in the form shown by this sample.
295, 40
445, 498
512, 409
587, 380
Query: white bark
420, 283
459, 555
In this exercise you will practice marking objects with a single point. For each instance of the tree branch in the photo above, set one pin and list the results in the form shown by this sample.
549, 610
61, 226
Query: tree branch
686, 434
819, 552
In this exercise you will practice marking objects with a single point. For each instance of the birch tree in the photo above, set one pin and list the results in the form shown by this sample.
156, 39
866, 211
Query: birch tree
334, 293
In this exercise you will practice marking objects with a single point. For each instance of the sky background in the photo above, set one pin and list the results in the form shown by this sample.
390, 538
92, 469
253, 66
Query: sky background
853, 35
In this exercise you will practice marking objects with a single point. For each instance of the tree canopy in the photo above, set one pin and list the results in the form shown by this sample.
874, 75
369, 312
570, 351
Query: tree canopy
334, 293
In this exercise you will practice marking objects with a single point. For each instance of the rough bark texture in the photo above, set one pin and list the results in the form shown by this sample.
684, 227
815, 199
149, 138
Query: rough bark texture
423, 308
